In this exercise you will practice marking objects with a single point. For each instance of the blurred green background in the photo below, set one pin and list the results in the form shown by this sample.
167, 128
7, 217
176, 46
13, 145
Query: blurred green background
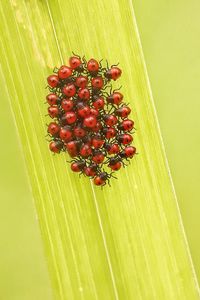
169, 33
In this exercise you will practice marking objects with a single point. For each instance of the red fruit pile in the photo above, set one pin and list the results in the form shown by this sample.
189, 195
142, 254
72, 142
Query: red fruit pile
90, 121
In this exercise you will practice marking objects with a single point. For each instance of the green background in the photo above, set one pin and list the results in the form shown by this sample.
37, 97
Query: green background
170, 33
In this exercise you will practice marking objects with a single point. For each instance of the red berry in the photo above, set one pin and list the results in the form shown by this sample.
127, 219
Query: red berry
53, 81
52, 99
81, 81
53, 128
84, 94
53, 111
56, 146
113, 73
67, 104
97, 82
64, 72
69, 90
90, 122
93, 66
65, 133
75, 62
85, 150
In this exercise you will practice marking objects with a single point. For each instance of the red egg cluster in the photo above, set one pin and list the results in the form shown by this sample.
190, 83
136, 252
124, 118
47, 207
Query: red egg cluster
90, 120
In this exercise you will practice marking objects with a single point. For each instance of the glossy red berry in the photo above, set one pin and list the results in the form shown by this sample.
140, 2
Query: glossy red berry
53, 128
97, 82
53, 111
64, 72
90, 122
93, 66
98, 102
124, 139
123, 112
85, 150
113, 73
84, 94
52, 99
65, 133
115, 98
67, 104
69, 90
110, 120
78, 166
56, 146
75, 62
81, 81
53, 81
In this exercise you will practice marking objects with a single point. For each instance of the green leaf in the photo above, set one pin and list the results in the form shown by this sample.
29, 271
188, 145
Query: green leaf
125, 241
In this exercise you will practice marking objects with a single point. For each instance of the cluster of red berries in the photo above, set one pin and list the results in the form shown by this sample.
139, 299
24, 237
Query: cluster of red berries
90, 120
